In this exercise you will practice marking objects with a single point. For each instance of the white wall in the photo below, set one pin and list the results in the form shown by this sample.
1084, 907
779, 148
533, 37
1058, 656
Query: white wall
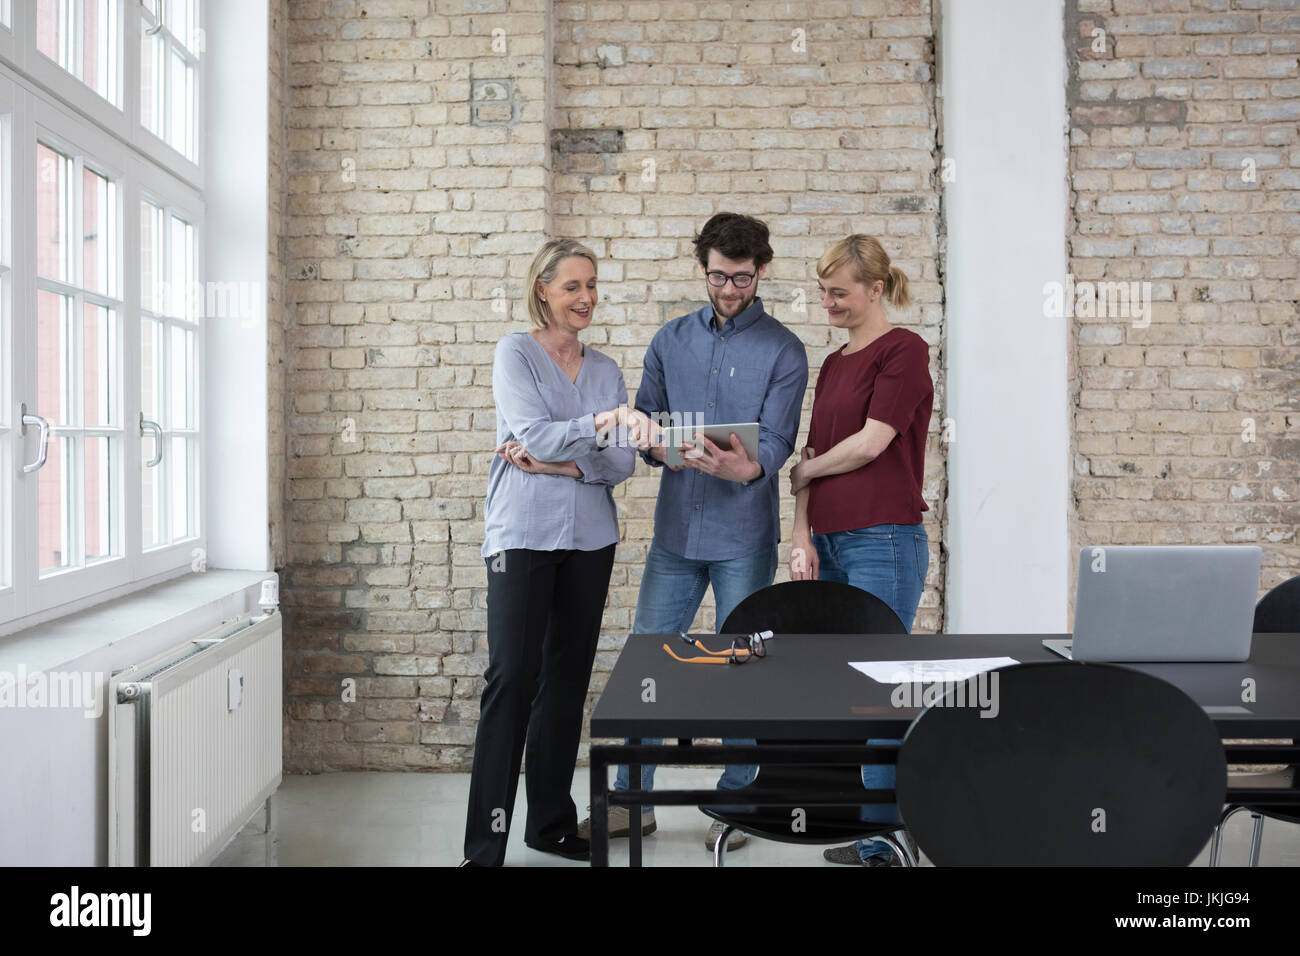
235, 170
54, 790
1004, 123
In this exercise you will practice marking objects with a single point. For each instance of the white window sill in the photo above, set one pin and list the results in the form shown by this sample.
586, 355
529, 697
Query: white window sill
177, 609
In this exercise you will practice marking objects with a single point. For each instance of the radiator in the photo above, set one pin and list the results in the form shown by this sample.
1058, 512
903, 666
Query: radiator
194, 744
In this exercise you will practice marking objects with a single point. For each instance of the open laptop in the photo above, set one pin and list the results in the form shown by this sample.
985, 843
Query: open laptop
1138, 603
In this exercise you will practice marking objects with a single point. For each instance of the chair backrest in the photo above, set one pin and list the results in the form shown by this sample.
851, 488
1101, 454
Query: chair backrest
812, 607
1279, 611
1075, 765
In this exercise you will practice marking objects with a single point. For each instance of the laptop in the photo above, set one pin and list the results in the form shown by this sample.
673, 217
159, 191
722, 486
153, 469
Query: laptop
1138, 603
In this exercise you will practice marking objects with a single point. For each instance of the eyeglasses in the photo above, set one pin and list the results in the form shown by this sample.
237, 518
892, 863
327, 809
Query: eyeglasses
743, 648
740, 280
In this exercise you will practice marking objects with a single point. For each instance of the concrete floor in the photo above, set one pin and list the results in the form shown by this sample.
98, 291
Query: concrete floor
418, 819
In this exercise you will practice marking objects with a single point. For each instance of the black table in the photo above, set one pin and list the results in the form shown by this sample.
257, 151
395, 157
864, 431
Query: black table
804, 690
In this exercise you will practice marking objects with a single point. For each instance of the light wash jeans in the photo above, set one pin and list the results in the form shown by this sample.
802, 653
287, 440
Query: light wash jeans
671, 590
889, 561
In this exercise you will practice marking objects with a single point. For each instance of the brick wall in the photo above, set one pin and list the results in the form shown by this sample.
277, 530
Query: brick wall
427, 158
1184, 168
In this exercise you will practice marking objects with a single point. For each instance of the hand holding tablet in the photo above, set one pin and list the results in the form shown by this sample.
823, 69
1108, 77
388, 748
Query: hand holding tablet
676, 436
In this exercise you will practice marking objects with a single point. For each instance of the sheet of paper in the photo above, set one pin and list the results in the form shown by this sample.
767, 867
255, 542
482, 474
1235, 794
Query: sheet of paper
929, 672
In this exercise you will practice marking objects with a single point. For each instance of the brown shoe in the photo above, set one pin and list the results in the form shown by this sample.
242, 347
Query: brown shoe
619, 824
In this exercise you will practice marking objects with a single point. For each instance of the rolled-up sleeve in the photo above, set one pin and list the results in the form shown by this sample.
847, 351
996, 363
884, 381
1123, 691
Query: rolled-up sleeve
615, 462
778, 422
521, 404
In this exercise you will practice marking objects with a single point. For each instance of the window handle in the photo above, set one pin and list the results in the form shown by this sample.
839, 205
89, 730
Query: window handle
146, 425
159, 25
43, 441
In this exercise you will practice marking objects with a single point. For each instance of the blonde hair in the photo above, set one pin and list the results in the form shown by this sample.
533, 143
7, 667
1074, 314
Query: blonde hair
545, 264
870, 264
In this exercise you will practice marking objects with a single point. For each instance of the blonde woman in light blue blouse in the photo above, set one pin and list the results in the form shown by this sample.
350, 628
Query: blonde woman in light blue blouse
565, 438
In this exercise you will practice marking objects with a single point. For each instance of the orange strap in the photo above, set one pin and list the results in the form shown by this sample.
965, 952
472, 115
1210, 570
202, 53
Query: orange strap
696, 660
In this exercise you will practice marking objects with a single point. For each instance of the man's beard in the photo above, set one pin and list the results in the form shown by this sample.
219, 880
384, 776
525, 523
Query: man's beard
742, 305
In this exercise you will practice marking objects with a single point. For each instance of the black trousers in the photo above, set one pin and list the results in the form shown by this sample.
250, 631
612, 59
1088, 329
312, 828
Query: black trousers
544, 612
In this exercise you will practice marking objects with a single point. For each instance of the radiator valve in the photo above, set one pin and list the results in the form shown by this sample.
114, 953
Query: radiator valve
270, 595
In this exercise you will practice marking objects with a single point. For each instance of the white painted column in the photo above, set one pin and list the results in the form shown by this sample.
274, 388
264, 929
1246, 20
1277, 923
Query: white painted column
1003, 77
236, 89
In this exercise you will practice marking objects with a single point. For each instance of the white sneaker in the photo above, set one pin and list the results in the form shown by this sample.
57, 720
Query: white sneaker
736, 840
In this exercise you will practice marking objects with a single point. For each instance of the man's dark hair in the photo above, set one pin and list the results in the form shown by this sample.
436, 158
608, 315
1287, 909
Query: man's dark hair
735, 236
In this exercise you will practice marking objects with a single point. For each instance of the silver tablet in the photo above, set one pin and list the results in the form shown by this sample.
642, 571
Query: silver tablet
720, 435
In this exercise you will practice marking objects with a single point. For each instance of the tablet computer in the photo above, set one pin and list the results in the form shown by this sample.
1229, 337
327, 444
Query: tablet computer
720, 435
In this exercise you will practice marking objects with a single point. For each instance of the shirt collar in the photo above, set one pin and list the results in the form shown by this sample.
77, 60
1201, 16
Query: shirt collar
741, 322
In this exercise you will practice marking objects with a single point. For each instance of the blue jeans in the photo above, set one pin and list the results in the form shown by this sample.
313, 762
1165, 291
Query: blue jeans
671, 590
889, 561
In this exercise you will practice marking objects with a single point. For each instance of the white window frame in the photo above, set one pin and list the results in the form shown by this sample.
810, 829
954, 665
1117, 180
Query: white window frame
7, 29
123, 119
10, 450
145, 137
63, 131
46, 104
63, 84
173, 197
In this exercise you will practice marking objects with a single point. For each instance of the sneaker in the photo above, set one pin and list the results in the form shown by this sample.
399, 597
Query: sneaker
619, 825
735, 841
849, 855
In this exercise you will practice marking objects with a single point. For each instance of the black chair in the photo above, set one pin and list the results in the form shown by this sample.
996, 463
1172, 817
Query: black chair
809, 607
1080, 765
1277, 613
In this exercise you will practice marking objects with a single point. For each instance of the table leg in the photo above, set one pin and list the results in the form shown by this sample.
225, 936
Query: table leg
634, 812
599, 811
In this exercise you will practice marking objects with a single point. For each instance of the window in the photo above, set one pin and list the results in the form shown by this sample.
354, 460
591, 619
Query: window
168, 376
8, 465
78, 376
81, 37
170, 43
101, 332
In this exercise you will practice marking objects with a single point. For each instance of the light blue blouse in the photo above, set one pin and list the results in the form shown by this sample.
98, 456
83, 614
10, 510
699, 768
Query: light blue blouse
554, 418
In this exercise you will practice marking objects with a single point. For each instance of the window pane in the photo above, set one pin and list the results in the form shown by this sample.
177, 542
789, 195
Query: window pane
53, 214
51, 27
99, 233
178, 20
182, 390
182, 475
53, 506
151, 258
100, 497
99, 47
181, 281
151, 504
150, 369
99, 365
153, 50
180, 130
81, 37
53, 351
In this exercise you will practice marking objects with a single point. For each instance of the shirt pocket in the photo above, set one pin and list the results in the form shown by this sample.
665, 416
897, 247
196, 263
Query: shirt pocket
743, 388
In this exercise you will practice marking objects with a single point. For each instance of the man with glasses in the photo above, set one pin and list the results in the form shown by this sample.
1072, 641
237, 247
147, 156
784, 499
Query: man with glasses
716, 518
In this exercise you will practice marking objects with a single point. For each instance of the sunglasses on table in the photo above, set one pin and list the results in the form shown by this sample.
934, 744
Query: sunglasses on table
743, 648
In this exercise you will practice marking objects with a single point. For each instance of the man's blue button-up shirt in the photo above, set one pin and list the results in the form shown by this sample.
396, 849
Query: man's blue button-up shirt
752, 369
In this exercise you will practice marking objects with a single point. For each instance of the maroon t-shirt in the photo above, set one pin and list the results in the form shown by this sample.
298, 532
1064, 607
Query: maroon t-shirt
889, 381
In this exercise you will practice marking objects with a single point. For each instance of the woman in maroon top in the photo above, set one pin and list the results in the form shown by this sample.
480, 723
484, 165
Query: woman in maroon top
857, 489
